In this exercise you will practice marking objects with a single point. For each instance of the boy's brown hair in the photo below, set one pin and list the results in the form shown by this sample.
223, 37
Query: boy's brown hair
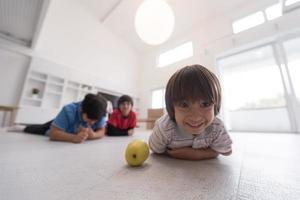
192, 83
94, 105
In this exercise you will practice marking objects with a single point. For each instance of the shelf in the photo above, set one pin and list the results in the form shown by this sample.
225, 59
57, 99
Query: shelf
54, 88
72, 88
53, 92
34, 83
38, 76
37, 79
54, 83
73, 84
70, 95
55, 80
85, 91
31, 102
51, 100
32, 99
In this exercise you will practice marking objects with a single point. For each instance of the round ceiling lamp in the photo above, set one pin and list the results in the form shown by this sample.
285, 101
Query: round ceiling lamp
154, 21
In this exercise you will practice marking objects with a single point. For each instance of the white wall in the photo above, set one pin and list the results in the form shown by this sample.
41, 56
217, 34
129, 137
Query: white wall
210, 40
13, 68
73, 37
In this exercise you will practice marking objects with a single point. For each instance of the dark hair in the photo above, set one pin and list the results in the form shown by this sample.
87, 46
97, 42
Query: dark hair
94, 106
192, 83
125, 98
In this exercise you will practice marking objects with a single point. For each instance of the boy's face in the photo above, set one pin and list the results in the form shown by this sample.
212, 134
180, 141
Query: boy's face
125, 108
87, 120
194, 116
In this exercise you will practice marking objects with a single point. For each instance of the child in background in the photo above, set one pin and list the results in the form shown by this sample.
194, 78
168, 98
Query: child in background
123, 120
191, 129
76, 122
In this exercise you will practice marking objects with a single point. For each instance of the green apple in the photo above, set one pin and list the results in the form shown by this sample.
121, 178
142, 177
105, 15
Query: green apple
137, 152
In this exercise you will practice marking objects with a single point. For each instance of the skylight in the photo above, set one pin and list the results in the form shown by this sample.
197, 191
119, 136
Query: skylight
174, 55
248, 22
290, 2
274, 11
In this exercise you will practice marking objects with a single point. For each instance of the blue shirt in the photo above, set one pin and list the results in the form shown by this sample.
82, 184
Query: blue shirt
69, 119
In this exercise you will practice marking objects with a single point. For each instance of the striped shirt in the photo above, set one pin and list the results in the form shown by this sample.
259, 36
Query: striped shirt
166, 134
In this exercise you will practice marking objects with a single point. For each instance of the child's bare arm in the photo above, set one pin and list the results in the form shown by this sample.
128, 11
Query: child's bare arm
130, 131
188, 153
57, 134
99, 133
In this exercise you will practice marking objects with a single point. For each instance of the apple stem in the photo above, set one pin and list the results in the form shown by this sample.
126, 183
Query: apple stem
134, 155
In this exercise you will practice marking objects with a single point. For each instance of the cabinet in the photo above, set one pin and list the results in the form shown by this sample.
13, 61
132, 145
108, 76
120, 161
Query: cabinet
41, 98
44, 95
76, 91
49, 86
42, 90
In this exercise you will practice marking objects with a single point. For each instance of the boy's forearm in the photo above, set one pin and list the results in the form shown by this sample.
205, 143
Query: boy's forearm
202, 154
98, 134
59, 135
189, 153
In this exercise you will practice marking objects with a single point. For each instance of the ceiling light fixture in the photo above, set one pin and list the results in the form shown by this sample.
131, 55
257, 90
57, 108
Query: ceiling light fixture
154, 21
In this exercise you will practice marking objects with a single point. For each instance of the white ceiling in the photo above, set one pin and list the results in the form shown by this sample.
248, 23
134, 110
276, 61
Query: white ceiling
18, 19
119, 14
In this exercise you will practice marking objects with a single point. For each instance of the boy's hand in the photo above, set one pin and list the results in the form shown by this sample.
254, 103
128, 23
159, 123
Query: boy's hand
130, 132
81, 135
188, 153
91, 133
180, 153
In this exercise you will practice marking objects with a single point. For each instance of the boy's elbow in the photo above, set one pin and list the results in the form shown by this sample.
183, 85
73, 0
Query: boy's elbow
216, 155
213, 155
228, 153
51, 135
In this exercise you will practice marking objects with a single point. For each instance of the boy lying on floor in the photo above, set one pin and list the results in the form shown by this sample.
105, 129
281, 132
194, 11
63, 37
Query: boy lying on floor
76, 122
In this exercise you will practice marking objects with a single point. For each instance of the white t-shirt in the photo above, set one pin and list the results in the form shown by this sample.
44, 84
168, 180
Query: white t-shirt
166, 134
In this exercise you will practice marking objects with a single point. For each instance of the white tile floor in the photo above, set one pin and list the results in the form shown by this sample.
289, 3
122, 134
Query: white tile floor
263, 166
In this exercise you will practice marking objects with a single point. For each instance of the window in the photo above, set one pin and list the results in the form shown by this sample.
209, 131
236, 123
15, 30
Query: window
248, 22
158, 98
274, 11
290, 5
251, 70
290, 2
174, 55
270, 13
254, 94
292, 49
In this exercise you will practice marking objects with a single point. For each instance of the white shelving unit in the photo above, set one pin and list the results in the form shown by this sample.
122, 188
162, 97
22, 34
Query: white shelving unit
75, 91
57, 85
53, 93
71, 92
49, 90
35, 81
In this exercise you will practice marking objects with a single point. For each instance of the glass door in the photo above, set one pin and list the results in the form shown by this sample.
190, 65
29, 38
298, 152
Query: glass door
292, 53
254, 92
